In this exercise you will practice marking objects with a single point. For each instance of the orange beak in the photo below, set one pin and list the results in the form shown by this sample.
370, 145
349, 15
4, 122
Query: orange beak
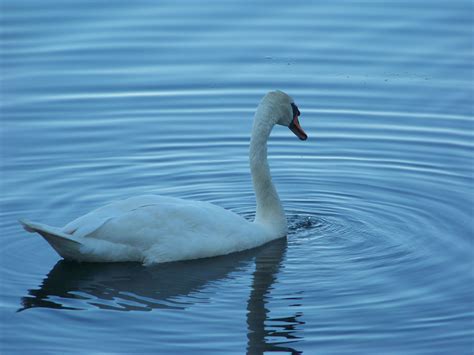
297, 130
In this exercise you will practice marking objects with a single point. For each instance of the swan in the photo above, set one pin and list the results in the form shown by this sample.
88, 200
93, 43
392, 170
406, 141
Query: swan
156, 229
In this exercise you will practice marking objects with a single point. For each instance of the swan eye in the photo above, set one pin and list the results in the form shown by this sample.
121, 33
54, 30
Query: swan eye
296, 112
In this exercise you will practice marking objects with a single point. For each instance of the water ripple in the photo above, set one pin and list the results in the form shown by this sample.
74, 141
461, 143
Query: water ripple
137, 98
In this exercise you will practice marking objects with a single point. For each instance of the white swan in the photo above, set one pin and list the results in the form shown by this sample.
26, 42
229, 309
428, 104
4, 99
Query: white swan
155, 229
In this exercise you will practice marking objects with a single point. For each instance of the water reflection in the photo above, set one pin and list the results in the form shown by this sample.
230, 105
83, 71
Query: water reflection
133, 287
267, 266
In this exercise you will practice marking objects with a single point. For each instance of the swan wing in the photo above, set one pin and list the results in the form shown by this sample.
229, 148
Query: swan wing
88, 223
155, 229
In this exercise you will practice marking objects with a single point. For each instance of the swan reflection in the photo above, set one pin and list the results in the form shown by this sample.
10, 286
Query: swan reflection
260, 325
133, 287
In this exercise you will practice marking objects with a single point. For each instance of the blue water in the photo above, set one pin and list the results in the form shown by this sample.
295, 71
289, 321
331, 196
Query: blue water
103, 100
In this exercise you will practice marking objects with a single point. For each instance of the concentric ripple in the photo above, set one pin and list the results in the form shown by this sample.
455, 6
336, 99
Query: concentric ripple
105, 101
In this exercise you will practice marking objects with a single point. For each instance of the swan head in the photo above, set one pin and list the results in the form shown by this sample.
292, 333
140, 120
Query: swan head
284, 112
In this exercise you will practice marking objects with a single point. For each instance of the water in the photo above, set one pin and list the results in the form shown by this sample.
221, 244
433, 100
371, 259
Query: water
106, 100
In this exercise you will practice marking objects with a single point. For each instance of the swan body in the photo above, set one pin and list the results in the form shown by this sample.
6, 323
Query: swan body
156, 229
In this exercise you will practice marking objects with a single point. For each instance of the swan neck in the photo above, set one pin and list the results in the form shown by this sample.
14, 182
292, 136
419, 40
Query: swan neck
269, 209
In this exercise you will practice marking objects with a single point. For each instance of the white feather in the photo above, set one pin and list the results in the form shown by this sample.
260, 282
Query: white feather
156, 229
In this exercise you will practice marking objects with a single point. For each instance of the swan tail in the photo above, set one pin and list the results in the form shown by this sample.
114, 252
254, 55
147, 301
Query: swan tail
62, 242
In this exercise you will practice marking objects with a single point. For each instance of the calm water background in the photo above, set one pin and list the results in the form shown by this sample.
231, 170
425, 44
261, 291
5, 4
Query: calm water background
105, 100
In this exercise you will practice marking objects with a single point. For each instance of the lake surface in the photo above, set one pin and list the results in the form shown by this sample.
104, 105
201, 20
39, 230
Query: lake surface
106, 100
